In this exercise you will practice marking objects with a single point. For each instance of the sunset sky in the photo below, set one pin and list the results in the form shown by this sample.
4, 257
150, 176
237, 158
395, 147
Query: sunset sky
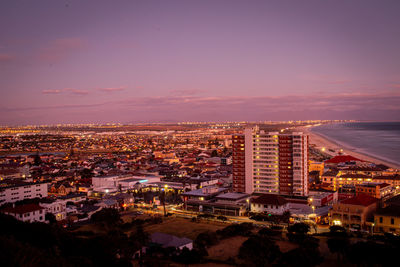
166, 61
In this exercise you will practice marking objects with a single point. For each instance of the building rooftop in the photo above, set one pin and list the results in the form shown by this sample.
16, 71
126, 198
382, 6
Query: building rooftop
381, 185
360, 200
232, 196
342, 159
270, 199
205, 191
167, 240
389, 211
22, 209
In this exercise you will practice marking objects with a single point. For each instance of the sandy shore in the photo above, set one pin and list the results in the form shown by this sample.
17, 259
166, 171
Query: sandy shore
321, 141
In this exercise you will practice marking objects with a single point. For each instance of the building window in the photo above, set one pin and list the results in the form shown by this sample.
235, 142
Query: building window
380, 219
391, 220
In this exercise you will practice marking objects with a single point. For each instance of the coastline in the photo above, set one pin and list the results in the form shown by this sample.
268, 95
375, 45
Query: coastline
320, 141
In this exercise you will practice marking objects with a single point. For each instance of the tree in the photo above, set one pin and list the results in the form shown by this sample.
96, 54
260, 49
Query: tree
109, 217
286, 217
299, 228
141, 236
37, 160
222, 218
338, 245
298, 232
187, 256
301, 257
204, 240
50, 218
259, 251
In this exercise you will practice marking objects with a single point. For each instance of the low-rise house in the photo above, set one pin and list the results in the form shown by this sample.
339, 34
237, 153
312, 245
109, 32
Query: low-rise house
56, 207
354, 212
269, 203
166, 241
227, 204
393, 180
62, 189
75, 198
26, 212
376, 190
204, 193
108, 203
387, 220
322, 198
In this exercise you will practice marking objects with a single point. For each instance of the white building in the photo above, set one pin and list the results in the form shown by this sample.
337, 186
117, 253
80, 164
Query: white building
55, 207
269, 203
26, 213
113, 183
12, 192
166, 240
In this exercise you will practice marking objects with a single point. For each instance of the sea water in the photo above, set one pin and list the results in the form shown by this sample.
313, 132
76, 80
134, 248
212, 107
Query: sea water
377, 139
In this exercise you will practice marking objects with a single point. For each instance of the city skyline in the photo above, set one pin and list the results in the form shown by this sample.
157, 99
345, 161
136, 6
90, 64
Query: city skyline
156, 61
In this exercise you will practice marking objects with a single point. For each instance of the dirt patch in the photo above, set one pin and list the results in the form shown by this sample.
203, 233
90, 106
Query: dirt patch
183, 227
227, 248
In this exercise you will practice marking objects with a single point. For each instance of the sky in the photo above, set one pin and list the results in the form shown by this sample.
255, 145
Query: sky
168, 61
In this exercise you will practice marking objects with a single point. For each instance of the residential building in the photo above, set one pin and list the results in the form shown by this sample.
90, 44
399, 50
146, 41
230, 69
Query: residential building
12, 191
349, 177
316, 166
238, 163
166, 241
269, 203
26, 212
270, 162
56, 207
322, 198
376, 190
387, 220
354, 212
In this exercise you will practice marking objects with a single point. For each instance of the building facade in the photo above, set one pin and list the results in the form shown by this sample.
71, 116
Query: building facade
13, 192
26, 213
270, 162
353, 212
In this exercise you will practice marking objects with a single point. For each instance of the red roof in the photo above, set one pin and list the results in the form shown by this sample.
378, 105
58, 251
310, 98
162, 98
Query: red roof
270, 199
22, 209
360, 200
342, 158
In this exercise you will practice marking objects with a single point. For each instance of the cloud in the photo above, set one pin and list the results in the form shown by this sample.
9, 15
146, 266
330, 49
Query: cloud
326, 79
51, 92
394, 85
382, 106
6, 57
112, 89
54, 107
185, 92
76, 91
60, 49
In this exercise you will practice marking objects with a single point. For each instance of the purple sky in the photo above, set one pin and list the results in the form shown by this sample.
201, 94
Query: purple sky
134, 61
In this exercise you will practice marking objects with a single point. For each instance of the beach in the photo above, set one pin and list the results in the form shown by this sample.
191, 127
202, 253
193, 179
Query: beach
320, 141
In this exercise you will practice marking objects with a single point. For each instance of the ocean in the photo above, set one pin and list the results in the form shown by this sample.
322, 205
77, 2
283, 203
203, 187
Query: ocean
377, 139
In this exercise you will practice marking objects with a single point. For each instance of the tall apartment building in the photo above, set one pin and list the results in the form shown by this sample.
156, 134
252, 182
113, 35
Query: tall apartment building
270, 162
